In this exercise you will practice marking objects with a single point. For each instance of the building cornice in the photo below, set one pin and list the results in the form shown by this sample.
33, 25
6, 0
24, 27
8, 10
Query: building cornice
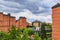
55, 6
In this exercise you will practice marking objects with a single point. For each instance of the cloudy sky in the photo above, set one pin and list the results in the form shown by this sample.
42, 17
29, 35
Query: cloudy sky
31, 9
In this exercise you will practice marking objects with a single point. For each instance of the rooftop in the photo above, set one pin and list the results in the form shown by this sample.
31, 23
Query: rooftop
23, 17
36, 21
11, 16
57, 5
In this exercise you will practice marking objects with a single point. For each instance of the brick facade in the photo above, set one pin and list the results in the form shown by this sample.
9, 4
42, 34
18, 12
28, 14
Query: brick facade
56, 22
23, 22
6, 22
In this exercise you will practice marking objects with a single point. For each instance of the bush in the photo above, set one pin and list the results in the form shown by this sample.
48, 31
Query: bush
36, 37
14, 34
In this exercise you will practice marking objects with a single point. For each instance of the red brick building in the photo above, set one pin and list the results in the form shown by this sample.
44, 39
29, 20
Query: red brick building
6, 22
56, 22
21, 22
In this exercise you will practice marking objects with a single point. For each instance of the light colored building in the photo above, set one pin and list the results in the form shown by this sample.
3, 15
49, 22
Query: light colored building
36, 23
29, 24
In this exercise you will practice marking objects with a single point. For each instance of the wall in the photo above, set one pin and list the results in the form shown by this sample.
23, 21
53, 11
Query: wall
6, 22
1, 19
17, 24
56, 23
23, 22
12, 21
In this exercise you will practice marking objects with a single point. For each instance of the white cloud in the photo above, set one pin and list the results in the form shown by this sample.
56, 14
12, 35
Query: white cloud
56, 1
1, 0
41, 8
48, 3
7, 9
12, 4
29, 15
9, 5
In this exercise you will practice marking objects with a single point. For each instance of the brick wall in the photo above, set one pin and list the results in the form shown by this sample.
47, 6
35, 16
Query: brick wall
56, 23
6, 22
17, 24
12, 21
23, 22
1, 19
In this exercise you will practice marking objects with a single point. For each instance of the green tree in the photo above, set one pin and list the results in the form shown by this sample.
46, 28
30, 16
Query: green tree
43, 32
3, 36
18, 34
14, 34
49, 26
30, 32
36, 37
25, 34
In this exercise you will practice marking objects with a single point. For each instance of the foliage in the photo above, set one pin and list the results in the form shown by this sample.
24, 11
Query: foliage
43, 32
30, 32
25, 34
3, 36
49, 26
15, 34
36, 37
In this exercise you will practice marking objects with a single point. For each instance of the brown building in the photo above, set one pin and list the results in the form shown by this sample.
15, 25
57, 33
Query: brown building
22, 22
56, 22
6, 22
36, 23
